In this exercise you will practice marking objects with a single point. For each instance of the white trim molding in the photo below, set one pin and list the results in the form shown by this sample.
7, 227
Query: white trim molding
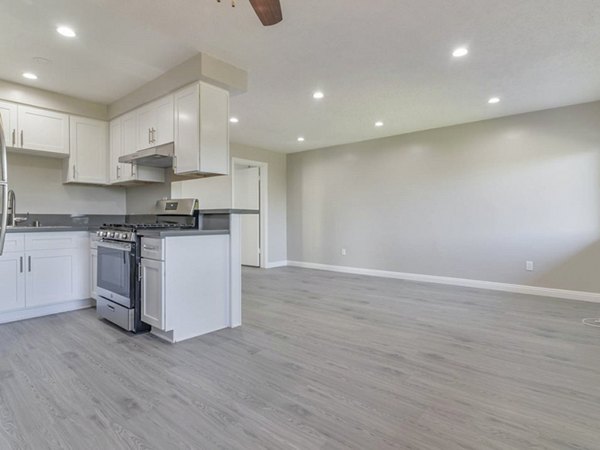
274, 264
490, 285
22, 314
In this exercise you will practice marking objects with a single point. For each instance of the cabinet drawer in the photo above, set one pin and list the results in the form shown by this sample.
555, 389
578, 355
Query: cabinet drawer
153, 249
14, 243
52, 241
115, 313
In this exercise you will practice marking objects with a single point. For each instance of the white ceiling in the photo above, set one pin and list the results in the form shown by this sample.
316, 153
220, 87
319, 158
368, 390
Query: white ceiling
386, 60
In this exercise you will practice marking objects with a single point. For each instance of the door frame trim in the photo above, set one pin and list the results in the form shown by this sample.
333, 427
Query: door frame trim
264, 203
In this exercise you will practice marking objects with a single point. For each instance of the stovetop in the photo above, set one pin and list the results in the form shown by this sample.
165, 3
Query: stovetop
128, 231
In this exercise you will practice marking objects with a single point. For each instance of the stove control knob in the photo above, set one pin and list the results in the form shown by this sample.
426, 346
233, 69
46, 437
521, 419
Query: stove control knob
111, 234
98, 233
124, 236
104, 234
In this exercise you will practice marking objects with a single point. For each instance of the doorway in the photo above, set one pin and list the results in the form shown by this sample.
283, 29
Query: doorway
249, 192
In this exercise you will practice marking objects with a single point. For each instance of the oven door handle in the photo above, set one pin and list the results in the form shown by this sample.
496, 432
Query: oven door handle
115, 245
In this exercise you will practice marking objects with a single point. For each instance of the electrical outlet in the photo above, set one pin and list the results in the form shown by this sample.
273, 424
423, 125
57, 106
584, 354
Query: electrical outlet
529, 266
343, 252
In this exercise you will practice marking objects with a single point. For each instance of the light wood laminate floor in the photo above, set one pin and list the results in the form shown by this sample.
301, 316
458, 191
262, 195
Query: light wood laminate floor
324, 360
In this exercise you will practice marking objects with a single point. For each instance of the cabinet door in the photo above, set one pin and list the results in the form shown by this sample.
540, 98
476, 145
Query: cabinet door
153, 293
146, 122
163, 127
187, 130
50, 277
8, 112
12, 281
201, 130
89, 150
129, 127
115, 150
43, 131
93, 273
214, 129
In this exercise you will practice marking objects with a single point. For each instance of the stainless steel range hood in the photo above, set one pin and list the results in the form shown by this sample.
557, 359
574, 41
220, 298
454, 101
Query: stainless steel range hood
160, 156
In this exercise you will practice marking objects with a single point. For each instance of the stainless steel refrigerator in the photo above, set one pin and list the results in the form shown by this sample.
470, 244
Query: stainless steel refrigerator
3, 187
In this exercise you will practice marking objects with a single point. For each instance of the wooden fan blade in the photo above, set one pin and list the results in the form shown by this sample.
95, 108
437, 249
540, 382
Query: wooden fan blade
268, 11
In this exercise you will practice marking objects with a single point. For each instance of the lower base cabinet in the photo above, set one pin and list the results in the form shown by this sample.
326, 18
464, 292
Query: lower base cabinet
47, 269
12, 282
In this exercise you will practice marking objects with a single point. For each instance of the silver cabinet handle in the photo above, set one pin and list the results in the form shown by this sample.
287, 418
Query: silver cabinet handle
74, 176
29, 263
14, 137
112, 308
150, 247
133, 166
149, 136
22, 138
21, 263
153, 135
118, 171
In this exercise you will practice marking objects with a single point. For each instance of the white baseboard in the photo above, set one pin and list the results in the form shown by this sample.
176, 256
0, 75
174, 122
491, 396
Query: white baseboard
274, 264
491, 285
22, 314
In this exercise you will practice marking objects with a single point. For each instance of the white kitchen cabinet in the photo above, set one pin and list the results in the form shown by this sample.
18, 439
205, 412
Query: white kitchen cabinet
153, 293
155, 123
41, 131
89, 152
182, 300
8, 112
50, 276
12, 281
201, 130
57, 268
123, 131
94, 265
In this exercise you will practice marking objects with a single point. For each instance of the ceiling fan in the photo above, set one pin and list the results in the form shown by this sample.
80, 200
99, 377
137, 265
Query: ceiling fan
268, 11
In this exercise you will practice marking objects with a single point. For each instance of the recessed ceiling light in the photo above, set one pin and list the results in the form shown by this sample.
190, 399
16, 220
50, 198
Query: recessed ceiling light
66, 31
41, 60
234, 120
300, 139
318, 95
379, 124
30, 76
460, 52
494, 100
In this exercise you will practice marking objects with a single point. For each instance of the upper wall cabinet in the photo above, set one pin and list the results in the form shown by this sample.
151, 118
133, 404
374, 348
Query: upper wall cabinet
35, 130
123, 133
8, 112
88, 161
201, 130
155, 123
41, 131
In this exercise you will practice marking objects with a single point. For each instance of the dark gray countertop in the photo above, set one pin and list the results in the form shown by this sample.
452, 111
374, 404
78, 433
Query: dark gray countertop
179, 233
229, 211
52, 228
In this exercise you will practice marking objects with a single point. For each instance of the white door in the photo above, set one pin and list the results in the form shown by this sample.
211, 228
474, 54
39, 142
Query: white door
89, 150
153, 293
43, 131
8, 112
12, 281
50, 277
247, 196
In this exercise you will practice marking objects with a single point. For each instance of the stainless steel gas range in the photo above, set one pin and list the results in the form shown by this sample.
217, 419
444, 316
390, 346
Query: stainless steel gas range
118, 269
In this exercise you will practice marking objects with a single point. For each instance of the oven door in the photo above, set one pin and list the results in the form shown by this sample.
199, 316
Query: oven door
114, 272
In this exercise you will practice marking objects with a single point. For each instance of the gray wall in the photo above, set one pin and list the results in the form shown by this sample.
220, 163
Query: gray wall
471, 201
38, 184
216, 193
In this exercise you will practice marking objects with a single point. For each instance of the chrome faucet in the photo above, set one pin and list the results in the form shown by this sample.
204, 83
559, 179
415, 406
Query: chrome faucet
13, 220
